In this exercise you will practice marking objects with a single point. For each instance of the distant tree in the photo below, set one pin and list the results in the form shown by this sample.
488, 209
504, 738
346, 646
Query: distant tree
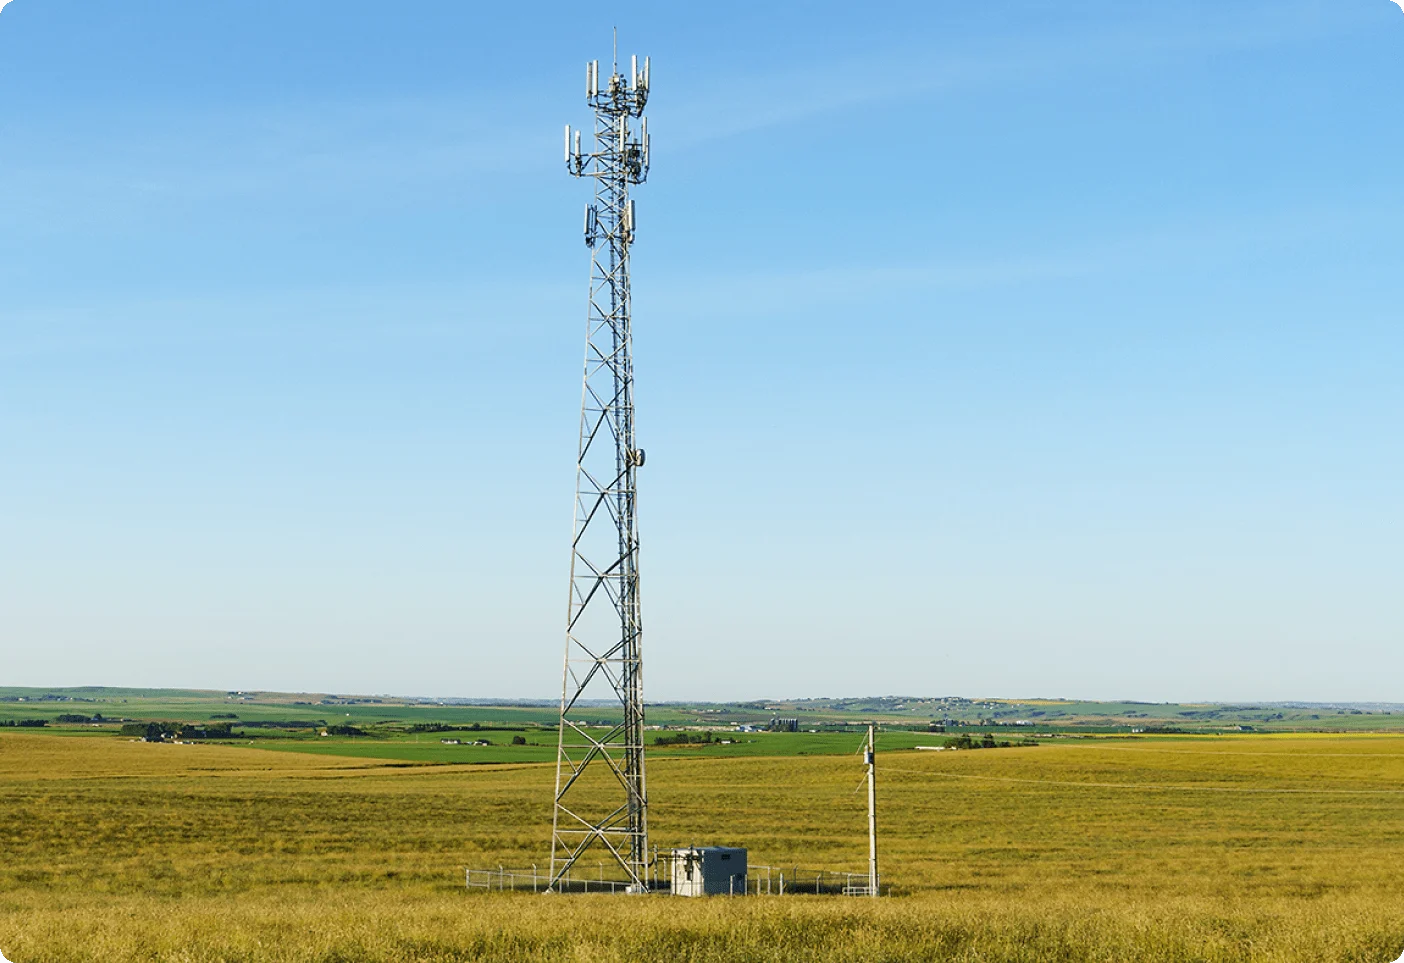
71, 717
215, 730
683, 739
150, 731
988, 742
344, 731
519, 740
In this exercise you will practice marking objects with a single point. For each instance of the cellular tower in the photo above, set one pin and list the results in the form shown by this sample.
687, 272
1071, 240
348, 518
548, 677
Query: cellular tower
601, 792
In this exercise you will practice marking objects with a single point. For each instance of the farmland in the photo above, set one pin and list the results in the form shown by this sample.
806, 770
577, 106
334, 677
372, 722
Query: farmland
1215, 848
258, 708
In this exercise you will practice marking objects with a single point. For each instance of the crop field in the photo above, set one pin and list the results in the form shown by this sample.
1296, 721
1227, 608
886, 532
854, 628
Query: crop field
541, 746
253, 708
1253, 848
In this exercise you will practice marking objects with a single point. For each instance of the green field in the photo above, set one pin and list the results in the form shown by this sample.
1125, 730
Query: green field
541, 746
1000, 715
1190, 848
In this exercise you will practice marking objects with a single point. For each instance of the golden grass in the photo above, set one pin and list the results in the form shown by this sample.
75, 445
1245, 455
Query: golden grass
1261, 848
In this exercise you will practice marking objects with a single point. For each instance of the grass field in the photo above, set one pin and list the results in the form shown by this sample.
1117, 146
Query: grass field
1261, 848
190, 705
541, 746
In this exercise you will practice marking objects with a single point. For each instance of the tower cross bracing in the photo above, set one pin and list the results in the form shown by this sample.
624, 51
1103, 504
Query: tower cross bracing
601, 796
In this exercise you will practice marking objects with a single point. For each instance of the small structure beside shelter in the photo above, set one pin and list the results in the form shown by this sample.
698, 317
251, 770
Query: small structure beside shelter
709, 871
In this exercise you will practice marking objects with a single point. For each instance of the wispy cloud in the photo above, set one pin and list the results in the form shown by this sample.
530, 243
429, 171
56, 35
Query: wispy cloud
1185, 245
352, 315
919, 69
307, 151
321, 149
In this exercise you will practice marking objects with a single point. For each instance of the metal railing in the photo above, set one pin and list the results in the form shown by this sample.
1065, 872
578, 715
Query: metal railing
797, 881
530, 881
759, 881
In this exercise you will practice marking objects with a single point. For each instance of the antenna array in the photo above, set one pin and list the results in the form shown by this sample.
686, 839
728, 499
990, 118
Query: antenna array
601, 792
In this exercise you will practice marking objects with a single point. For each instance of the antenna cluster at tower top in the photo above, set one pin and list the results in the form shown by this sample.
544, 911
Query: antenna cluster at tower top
619, 149
616, 93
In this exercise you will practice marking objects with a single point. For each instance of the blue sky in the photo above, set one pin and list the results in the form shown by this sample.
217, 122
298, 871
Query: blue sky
1018, 349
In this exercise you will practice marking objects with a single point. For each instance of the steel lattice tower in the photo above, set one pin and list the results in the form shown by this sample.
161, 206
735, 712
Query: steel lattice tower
601, 792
